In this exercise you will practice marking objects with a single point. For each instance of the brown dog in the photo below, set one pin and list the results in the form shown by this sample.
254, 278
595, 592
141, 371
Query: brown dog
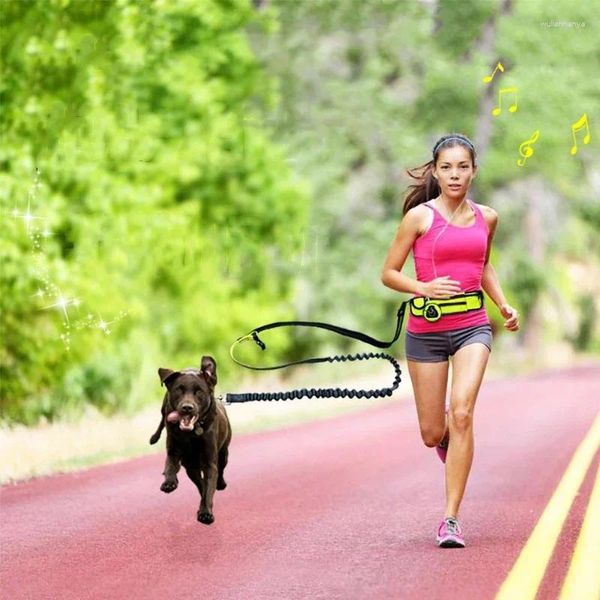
198, 432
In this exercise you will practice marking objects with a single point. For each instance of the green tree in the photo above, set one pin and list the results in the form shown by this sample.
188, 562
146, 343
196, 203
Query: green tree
168, 208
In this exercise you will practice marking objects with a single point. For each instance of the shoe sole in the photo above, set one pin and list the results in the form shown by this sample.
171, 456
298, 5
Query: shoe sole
442, 453
450, 543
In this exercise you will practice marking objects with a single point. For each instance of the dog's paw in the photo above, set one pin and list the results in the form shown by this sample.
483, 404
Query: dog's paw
221, 484
206, 517
155, 437
169, 486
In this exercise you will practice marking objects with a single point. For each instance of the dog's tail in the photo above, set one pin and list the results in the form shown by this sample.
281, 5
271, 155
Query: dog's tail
156, 435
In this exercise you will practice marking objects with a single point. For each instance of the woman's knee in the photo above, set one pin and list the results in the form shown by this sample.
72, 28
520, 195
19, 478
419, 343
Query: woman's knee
461, 418
432, 436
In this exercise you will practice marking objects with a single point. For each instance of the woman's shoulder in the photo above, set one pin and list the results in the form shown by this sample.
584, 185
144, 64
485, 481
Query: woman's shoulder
419, 217
489, 214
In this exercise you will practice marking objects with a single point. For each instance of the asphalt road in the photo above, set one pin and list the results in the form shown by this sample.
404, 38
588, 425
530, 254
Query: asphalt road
340, 509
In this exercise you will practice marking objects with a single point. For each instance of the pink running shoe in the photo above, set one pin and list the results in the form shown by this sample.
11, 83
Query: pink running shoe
449, 534
442, 447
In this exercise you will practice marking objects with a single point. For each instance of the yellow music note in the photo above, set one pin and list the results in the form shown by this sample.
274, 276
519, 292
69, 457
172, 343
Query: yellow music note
488, 78
513, 107
583, 122
525, 149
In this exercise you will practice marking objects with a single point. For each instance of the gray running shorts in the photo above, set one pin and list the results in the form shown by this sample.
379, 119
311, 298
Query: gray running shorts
437, 347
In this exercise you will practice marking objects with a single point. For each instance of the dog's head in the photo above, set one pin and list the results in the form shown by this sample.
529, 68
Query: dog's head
190, 393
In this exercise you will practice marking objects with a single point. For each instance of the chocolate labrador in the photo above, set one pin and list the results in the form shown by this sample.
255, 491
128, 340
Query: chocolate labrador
198, 432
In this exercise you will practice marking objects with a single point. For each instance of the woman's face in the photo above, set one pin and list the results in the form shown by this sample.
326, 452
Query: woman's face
454, 171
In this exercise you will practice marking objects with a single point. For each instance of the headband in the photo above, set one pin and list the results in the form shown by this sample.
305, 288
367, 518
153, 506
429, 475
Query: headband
453, 138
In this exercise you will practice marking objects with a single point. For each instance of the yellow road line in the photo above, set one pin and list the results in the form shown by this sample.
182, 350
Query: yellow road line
583, 578
526, 574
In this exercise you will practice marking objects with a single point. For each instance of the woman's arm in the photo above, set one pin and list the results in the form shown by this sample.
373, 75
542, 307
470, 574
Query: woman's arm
491, 285
489, 279
391, 275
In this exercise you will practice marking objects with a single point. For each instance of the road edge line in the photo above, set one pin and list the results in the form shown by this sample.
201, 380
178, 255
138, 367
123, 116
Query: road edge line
527, 572
583, 577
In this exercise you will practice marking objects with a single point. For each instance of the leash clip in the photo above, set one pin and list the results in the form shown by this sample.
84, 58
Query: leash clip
260, 343
252, 335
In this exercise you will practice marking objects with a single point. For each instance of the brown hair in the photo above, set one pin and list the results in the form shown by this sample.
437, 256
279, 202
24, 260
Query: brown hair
427, 186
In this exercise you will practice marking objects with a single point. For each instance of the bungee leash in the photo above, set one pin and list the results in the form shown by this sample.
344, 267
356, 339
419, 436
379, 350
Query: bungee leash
429, 309
321, 392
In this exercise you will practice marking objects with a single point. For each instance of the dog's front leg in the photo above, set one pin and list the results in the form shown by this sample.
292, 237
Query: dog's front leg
195, 474
205, 512
172, 466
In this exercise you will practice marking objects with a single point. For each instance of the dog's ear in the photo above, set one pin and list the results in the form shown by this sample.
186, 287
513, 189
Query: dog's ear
166, 374
208, 366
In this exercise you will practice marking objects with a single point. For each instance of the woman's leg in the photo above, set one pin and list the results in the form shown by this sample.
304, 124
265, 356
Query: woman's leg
429, 381
468, 367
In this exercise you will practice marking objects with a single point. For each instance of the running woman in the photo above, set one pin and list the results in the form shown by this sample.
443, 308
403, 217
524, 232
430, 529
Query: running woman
450, 237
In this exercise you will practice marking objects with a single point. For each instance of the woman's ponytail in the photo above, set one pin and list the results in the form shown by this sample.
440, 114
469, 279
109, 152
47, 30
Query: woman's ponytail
426, 187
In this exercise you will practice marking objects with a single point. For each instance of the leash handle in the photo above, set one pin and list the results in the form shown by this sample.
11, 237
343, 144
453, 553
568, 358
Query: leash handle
339, 330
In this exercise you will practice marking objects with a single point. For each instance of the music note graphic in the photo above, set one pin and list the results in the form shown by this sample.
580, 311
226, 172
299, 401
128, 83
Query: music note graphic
580, 124
488, 78
513, 107
525, 149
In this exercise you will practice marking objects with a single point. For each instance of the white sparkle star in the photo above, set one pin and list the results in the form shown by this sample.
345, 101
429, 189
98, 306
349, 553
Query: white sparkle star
27, 217
62, 303
103, 325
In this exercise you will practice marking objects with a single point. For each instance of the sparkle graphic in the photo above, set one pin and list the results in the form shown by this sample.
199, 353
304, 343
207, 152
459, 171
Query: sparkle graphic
27, 217
98, 323
46, 290
227, 246
103, 325
309, 254
316, 249
303, 249
62, 304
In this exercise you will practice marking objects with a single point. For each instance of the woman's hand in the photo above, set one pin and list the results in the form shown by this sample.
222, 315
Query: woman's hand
512, 317
441, 288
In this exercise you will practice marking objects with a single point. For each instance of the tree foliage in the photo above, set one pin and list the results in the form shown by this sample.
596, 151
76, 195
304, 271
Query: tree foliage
167, 207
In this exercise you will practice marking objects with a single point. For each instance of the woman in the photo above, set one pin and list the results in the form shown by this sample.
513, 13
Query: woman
451, 238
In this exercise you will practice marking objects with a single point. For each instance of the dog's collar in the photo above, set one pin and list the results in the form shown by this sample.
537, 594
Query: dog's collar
210, 403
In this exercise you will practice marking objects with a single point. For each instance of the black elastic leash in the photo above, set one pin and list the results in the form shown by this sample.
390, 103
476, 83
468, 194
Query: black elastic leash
322, 392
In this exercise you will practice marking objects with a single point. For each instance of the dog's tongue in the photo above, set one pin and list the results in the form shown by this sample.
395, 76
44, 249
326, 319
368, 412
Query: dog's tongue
173, 417
187, 423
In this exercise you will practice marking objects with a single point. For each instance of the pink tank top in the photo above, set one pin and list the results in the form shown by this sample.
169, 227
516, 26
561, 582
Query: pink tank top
460, 253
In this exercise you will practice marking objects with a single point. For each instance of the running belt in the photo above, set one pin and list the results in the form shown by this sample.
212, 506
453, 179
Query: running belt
432, 310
